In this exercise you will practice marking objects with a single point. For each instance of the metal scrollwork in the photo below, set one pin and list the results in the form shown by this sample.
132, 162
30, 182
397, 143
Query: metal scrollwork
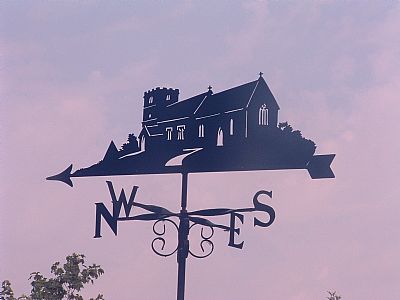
160, 238
205, 241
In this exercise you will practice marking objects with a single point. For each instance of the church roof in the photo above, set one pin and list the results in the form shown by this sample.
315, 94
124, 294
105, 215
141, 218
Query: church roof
237, 98
153, 130
183, 108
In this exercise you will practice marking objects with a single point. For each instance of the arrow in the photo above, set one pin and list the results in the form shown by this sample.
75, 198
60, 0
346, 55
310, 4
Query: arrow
319, 166
64, 176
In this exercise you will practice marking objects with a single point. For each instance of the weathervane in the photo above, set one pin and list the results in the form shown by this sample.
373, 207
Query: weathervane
233, 130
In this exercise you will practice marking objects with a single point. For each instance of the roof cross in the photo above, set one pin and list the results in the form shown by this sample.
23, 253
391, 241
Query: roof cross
261, 74
209, 87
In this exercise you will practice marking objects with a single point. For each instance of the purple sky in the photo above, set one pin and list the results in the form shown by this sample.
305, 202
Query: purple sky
73, 76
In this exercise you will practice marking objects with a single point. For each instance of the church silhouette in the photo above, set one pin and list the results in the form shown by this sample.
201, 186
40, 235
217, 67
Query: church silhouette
227, 118
233, 130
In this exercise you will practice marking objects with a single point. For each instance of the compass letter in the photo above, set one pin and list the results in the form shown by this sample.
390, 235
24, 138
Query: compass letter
112, 219
234, 230
263, 207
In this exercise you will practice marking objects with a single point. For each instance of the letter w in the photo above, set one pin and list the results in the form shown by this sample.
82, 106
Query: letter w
102, 211
117, 204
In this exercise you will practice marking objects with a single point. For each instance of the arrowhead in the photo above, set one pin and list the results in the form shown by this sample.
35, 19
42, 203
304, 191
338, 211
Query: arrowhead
320, 166
64, 176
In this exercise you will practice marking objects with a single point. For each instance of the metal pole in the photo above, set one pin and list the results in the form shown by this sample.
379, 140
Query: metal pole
183, 242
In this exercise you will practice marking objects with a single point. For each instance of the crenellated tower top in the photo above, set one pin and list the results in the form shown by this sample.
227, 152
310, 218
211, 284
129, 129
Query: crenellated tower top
155, 100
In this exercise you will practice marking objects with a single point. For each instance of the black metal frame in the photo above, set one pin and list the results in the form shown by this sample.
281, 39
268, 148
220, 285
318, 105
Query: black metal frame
187, 221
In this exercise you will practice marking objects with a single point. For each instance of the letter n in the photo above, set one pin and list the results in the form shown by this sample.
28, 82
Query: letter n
101, 211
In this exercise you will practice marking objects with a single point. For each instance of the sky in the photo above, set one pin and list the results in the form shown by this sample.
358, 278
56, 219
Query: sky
72, 78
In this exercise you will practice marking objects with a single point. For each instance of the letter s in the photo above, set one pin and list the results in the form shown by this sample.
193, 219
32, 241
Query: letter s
263, 207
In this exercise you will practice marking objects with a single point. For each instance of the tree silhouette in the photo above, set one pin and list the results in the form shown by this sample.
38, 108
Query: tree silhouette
131, 146
333, 296
67, 282
293, 141
285, 127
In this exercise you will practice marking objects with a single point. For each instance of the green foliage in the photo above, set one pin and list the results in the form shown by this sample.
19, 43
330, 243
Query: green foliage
6, 291
67, 282
333, 296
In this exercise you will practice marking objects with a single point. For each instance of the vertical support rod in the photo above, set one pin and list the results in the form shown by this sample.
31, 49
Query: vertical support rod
183, 242
184, 190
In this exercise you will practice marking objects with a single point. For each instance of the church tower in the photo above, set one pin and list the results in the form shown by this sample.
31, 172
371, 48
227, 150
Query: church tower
155, 101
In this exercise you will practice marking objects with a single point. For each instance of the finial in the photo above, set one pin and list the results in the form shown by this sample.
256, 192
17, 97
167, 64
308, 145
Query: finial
209, 87
261, 74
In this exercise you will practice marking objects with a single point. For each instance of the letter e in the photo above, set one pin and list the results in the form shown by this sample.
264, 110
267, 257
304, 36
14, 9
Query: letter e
234, 230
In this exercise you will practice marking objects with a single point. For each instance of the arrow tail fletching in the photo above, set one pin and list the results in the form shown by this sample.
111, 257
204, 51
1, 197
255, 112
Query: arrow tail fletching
320, 166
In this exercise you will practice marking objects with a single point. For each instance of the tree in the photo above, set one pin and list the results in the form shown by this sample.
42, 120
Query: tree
131, 146
333, 296
293, 141
285, 127
6, 291
67, 282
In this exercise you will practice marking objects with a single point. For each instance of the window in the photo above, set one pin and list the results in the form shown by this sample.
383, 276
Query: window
151, 100
169, 133
168, 97
143, 143
149, 116
201, 130
220, 137
180, 129
231, 127
263, 115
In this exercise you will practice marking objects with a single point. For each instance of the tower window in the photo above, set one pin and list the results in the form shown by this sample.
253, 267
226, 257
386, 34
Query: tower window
149, 116
169, 133
231, 127
263, 115
181, 129
168, 97
201, 130
151, 100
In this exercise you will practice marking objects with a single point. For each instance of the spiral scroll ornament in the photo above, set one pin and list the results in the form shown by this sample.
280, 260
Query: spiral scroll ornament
158, 244
206, 242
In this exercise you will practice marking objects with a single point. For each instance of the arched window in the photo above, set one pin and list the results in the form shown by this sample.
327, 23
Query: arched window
201, 130
169, 133
143, 143
263, 115
181, 129
151, 100
168, 97
220, 137
231, 127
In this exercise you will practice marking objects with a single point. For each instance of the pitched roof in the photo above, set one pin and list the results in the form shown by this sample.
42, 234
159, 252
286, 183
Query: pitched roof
153, 130
231, 99
264, 92
236, 98
183, 108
